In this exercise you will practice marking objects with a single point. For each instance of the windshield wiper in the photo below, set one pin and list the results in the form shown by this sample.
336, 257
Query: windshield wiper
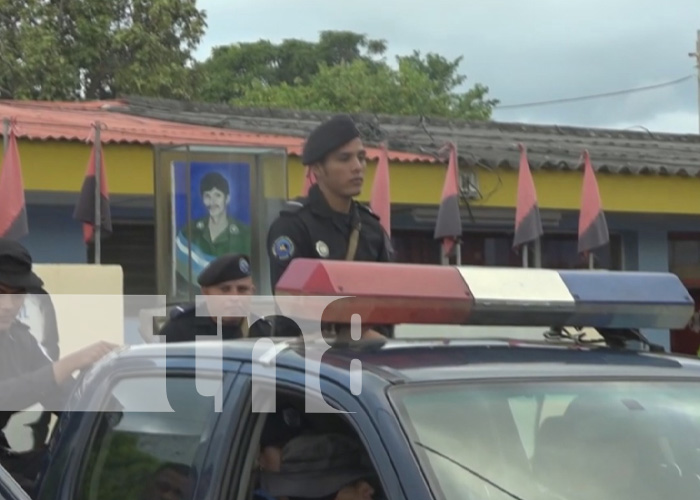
468, 469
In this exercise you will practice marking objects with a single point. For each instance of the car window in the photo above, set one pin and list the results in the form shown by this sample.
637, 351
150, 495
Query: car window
565, 440
144, 452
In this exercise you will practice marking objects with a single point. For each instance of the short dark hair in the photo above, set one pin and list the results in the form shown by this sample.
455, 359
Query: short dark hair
214, 180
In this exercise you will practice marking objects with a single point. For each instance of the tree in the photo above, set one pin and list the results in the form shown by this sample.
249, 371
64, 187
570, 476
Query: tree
358, 87
98, 49
342, 72
232, 70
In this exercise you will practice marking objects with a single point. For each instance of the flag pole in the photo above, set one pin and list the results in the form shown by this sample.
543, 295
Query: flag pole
538, 253
98, 192
458, 254
5, 135
590, 260
525, 255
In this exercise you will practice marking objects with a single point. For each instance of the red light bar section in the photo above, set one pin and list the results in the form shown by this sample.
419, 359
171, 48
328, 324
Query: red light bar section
380, 293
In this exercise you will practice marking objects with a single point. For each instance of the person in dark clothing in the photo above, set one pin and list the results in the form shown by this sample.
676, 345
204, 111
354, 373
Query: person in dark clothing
329, 223
226, 276
27, 375
48, 337
280, 428
321, 466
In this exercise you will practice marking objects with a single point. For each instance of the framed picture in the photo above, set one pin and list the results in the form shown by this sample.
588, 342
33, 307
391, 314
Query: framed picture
211, 207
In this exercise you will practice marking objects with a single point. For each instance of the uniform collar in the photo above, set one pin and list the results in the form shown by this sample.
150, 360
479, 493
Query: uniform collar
320, 206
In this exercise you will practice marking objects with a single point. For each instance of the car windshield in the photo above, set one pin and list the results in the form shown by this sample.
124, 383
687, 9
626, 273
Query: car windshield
563, 440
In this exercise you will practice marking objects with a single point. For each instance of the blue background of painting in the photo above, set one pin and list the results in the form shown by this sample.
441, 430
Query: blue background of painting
238, 176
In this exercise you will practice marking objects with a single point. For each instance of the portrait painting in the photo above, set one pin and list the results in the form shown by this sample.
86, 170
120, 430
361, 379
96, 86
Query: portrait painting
211, 215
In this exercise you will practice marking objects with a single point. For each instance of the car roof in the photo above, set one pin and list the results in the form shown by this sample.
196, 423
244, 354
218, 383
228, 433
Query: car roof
399, 361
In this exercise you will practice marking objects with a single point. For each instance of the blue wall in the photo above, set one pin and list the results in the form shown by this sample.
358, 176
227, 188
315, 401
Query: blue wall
54, 236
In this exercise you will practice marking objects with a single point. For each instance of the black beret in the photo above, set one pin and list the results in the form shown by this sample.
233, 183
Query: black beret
225, 268
16, 266
328, 137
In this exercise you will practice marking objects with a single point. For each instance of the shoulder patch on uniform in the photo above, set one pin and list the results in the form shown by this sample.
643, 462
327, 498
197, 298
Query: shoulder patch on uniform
181, 310
292, 206
283, 248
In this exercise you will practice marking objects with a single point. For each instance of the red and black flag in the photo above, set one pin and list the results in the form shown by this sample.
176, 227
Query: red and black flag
592, 226
380, 201
13, 210
85, 210
528, 224
448, 226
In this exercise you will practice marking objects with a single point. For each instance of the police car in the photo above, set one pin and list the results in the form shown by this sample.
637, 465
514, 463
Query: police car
540, 386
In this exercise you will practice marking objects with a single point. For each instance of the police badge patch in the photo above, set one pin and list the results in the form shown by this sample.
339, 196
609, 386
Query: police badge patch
244, 266
283, 248
322, 249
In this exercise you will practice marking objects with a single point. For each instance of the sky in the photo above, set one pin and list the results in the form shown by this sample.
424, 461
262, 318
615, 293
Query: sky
525, 51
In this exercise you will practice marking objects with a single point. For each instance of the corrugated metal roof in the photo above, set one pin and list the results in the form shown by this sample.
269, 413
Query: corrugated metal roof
40, 120
491, 144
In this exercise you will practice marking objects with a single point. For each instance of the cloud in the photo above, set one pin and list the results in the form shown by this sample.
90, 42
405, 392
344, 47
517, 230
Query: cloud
526, 50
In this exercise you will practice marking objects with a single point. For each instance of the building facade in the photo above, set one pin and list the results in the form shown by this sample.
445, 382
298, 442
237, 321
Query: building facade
649, 185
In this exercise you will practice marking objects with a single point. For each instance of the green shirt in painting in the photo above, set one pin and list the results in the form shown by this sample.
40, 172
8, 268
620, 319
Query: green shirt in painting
235, 238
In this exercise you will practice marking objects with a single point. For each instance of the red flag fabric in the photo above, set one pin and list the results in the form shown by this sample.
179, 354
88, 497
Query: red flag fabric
13, 209
448, 226
309, 180
528, 223
592, 225
85, 208
380, 202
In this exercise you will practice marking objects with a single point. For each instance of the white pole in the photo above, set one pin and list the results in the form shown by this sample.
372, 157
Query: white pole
538, 253
526, 260
590, 260
98, 204
458, 256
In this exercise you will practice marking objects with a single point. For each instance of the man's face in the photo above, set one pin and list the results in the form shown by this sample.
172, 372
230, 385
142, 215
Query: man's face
229, 299
11, 301
343, 171
215, 201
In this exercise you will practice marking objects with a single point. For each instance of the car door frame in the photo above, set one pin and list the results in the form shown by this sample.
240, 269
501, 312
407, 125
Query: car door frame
359, 416
9, 488
75, 444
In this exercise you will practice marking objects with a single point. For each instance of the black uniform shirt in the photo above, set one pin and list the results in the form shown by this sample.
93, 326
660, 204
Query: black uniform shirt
310, 228
26, 376
187, 325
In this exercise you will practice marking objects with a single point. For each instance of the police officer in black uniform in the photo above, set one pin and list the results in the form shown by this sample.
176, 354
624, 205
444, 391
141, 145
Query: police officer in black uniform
329, 223
228, 275
27, 374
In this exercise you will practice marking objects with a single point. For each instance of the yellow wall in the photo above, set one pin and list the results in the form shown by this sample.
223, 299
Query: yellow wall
60, 166
422, 184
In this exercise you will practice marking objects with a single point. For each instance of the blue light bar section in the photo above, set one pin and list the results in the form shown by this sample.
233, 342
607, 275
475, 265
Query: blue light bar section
628, 299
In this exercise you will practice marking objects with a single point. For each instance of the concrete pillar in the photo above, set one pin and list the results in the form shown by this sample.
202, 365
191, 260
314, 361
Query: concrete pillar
652, 255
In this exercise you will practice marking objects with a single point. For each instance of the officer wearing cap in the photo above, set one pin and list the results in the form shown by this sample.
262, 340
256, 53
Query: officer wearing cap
226, 276
329, 223
27, 374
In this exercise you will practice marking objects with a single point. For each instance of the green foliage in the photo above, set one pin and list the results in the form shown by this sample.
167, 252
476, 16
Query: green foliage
98, 49
342, 72
125, 472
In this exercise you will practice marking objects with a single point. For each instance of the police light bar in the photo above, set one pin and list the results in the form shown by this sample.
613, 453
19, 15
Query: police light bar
393, 293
